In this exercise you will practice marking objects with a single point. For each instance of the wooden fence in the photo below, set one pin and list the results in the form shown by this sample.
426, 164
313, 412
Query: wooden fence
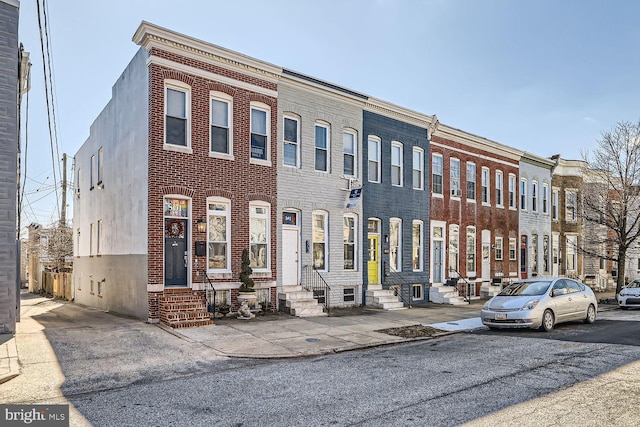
59, 285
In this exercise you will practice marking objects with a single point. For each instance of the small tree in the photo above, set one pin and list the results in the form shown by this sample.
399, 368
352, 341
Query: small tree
612, 202
245, 273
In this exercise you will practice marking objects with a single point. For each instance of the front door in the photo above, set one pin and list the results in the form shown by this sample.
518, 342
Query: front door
486, 255
290, 256
175, 252
373, 265
437, 262
523, 257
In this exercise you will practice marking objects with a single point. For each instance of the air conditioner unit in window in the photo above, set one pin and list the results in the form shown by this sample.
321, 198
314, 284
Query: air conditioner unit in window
456, 192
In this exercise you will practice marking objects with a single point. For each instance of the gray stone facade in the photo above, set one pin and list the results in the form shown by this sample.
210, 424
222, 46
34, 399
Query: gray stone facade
8, 164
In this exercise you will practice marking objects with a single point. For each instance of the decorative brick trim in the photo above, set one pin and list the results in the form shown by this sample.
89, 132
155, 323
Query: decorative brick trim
177, 189
177, 75
224, 88
218, 192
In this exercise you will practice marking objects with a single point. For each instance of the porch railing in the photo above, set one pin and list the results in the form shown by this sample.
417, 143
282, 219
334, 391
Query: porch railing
400, 286
313, 281
463, 291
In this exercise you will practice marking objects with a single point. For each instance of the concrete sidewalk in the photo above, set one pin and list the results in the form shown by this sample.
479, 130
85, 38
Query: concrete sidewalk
277, 335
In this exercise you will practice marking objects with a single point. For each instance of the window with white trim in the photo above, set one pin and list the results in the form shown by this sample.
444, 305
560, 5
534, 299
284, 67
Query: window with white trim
436, 173
221, 123
554, 204
350, 153
471, 181
471, 250
417, 292
319, 239
571, 203
322, 147
418, 168
523, 194
454, 244
545, 253
374, 159
534, 196
259, 236
177, 114
498, 248
512, 191
454, 177
397, 164
499, 188
260, 131
218, 234
572, 252
291, 145
512, 249
350, 224
395, 243
545, 198
417, 245
486, 196
534, 253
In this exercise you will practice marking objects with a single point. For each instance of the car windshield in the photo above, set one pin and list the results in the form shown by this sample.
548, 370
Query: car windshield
525, 288
633, 284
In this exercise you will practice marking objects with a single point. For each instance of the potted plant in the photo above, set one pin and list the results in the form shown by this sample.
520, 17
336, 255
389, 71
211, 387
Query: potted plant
246, 291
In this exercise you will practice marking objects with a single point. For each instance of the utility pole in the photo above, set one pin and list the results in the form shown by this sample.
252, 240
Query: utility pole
63, 213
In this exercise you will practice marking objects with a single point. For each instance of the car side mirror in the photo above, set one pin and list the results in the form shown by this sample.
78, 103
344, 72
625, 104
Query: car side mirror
558, 292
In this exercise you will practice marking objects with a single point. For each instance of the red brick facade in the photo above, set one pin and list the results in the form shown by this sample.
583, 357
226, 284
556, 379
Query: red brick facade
197, 176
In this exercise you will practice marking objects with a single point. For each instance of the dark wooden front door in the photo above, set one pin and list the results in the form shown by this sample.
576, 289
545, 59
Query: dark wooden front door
175, 252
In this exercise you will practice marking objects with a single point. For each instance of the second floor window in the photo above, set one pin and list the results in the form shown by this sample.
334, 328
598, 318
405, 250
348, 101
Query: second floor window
176, 116
571, 201
259, 133
454, 180
396, 164
486, 198
291, 141
499, 188
554, 204
545, 198
322, 147
220, 129
349, 143
471, 181
534, 196
418, 168
523, 194
512, 191
436, 173
374, 159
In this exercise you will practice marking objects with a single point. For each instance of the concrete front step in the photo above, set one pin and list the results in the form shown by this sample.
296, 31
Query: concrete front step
308, 311
385, 299
291, 303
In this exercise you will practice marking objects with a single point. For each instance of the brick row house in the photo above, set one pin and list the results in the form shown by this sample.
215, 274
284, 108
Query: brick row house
339, 198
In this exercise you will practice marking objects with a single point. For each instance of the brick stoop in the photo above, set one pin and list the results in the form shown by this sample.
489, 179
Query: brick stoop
184, 309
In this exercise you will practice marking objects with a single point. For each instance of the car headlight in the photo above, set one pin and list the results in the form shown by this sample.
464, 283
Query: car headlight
530, 305
486, 305
622, 293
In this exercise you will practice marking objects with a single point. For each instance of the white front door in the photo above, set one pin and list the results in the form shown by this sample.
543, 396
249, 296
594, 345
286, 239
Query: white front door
486, 255
290, 257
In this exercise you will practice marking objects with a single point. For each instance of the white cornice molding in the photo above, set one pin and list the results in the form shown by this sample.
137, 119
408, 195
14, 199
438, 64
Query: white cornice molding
406, 115
318, 89
149, 36
534, 159
209, 76
478, 142
14, 3
470, 153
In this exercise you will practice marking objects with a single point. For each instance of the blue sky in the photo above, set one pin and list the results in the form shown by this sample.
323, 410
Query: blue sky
544, 76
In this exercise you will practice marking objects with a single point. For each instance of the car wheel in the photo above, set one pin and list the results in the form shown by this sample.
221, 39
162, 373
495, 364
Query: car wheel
591, 314
548, 320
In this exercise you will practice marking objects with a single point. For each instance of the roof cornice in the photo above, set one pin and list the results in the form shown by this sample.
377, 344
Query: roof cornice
406, 115
14, 3
538, 160
153, 36
478, 142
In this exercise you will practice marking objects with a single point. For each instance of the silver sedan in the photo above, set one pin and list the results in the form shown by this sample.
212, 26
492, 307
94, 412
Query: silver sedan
540, 304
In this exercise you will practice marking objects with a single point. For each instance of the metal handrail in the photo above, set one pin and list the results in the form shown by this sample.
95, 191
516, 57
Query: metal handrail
401, 282
211, 307
466, 293
313, 281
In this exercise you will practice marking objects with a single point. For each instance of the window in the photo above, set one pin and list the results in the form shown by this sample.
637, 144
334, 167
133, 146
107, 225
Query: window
454, 180
416, 253
499, 188
349, 237
322, 147
418, 168
319, 238
374, 159
572, 259
320, 296
417, 292
523, 194
176, 120
91, 238
545, 253
498, 248
291, 146
349, 144
221, 140
534, 196
396, 164
395, 243
260, 119
512, 248
218, 234
471, 250
436, 173
259, 230
92, 171
486, 198
454, 236
100, 166
99, 238
571, 201
534, 253
554, 205
512, 191
78, 177
545, 198
349, 294
471, 181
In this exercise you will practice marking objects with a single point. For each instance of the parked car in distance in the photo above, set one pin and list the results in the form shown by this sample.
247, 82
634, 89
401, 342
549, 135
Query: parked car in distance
629, 295
540, 303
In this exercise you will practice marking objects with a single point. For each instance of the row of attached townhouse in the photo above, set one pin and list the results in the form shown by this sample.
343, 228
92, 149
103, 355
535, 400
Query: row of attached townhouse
203, 152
